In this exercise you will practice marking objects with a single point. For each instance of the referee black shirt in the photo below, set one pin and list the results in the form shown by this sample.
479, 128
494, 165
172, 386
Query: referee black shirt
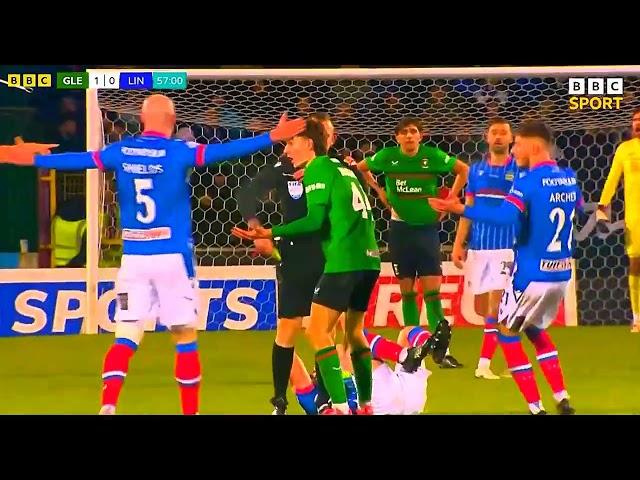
293, 206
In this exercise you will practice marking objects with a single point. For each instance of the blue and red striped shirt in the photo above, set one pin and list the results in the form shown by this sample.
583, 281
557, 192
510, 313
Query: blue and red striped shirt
152, 176
543, 202
488, 186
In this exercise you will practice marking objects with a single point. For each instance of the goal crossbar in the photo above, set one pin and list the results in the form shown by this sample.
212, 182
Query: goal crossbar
388, 73
95, 130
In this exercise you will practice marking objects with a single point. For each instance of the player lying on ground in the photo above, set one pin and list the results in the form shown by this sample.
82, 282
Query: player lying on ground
542, 204
487, 264
157, 276
627, 161
412, 172
338, 209
399, 392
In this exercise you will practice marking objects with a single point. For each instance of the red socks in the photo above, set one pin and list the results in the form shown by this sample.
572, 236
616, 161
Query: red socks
521, 370
115, 368
382, 348
547, 356
489, 341
418, 336
188, 372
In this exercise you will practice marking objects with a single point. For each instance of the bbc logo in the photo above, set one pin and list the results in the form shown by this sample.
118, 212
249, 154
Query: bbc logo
596, 86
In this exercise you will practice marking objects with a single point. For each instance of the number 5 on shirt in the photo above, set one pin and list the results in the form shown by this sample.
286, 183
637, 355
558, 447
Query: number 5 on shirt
142, 184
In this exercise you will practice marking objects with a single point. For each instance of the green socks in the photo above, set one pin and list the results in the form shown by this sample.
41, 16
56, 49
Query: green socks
434, 309
329, 363
410, 312
362, 370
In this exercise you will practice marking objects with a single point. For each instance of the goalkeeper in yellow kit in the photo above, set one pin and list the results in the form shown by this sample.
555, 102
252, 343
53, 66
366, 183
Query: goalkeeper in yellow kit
627, 161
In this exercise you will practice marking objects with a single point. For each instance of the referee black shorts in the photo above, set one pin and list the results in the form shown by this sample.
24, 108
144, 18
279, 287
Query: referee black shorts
297, 279
346, 291
415, 250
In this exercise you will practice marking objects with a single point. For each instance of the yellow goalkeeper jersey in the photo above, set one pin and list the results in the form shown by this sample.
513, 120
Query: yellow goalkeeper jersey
625, 161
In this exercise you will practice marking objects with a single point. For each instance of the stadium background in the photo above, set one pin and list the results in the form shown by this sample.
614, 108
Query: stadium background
60, 374
455, 112
364, 112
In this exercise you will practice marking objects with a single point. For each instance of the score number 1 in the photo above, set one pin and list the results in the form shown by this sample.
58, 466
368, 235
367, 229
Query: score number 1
104, 80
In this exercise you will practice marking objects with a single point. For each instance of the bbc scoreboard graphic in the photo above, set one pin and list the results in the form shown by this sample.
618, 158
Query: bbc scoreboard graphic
102, 80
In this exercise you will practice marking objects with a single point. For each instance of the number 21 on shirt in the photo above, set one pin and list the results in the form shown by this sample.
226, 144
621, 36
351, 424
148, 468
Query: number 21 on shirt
558, 218
147, 214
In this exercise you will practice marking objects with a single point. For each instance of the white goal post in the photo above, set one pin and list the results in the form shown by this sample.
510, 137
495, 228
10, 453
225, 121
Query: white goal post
443, 116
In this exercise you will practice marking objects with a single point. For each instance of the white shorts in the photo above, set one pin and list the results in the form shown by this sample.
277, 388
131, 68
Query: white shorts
488, 270
537, 305
156, 286
398, 392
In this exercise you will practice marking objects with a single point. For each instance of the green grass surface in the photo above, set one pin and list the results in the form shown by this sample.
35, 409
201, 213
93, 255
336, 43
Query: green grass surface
62, 374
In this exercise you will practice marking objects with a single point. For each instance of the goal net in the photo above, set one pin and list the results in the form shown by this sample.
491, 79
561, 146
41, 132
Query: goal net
365, 105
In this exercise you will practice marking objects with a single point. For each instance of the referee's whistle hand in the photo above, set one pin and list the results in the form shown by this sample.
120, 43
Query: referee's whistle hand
252, 234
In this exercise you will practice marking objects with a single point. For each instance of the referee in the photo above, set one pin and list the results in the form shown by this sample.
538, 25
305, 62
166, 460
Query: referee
295, 284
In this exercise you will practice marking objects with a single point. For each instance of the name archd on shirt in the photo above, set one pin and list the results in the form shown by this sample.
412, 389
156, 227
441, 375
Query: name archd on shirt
563, 197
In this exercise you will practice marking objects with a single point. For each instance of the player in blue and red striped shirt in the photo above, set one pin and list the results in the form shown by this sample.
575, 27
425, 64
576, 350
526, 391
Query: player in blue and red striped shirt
157, 275
490, 246
543, 204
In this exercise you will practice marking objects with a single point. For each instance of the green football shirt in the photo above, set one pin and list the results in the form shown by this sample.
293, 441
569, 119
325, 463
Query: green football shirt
410, 180
349, 241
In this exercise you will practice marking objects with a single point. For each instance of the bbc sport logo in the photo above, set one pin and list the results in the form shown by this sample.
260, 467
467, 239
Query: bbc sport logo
595, 93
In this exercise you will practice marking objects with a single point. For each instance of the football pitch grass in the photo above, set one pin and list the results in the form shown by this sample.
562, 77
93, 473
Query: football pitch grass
51, 375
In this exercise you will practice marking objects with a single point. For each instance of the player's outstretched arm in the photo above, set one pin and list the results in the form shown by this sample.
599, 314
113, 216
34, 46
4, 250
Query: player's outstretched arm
317, 207
507, 213
23, 154
69, 161
286, 129
610, 186
309, 224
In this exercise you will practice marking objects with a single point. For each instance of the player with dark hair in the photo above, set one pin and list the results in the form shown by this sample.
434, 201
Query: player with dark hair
157, 275
339, 210
487, 263
295, 286
411, 174
542, 203
364, 177
626, 161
